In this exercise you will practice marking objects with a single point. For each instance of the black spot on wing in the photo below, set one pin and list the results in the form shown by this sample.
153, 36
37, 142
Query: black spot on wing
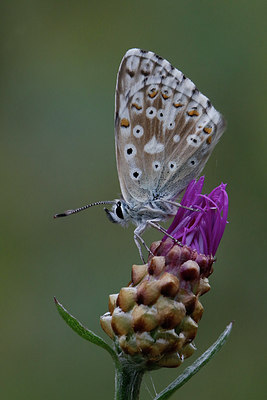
131, 73
158, 57
116, 116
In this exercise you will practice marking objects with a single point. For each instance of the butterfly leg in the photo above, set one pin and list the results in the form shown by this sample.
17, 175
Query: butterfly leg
160, 228
138, 239
176, 204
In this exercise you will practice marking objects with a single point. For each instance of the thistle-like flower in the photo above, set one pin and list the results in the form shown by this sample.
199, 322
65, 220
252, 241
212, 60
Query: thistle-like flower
154, 320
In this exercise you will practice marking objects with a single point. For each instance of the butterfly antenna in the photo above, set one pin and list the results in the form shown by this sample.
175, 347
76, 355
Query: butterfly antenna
69, 212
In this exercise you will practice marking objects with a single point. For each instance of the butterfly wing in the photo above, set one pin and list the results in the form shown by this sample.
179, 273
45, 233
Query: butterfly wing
165, 129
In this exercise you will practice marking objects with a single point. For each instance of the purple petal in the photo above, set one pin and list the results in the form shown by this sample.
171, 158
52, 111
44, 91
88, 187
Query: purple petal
203, 229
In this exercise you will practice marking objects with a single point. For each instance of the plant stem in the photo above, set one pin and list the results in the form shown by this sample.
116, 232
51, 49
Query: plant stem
128, 380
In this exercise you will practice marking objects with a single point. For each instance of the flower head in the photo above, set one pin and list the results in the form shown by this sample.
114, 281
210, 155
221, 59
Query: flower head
154, 320
202, 229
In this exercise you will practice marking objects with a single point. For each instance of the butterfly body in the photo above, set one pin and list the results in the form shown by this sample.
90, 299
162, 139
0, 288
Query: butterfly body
165, 131
140, 213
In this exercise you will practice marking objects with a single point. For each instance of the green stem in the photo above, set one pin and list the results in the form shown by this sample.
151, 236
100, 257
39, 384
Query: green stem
128, 380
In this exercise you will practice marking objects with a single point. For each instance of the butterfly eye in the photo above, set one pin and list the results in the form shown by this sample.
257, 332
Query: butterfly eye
119, 212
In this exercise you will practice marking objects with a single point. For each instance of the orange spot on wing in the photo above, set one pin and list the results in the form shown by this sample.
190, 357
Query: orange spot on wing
207, 129
165, 96
125, 123
135, 105
177, 105
209, 140
153, 94
193, 113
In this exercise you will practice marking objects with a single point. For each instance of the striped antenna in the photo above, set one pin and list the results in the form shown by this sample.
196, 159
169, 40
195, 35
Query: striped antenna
69, 212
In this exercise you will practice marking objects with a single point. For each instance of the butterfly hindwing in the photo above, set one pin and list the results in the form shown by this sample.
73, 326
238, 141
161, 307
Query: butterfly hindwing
165, 129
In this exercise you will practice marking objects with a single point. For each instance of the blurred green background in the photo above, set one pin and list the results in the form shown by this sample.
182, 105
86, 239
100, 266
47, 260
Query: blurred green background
58, 67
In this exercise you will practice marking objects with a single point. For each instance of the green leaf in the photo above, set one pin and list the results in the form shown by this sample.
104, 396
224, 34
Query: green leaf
84, 332
195, 367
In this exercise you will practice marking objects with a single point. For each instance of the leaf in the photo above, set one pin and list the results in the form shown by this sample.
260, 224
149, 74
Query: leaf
83, 331
196, 366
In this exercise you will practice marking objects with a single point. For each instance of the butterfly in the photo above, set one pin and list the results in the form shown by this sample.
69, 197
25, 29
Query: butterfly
165, 131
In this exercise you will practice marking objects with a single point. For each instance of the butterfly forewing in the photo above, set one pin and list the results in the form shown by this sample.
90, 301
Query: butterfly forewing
165, 129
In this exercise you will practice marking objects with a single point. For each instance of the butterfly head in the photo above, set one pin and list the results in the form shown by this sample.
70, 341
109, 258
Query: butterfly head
119, 213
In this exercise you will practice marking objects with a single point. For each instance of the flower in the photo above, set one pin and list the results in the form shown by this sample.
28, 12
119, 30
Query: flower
202, 229
154, 320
